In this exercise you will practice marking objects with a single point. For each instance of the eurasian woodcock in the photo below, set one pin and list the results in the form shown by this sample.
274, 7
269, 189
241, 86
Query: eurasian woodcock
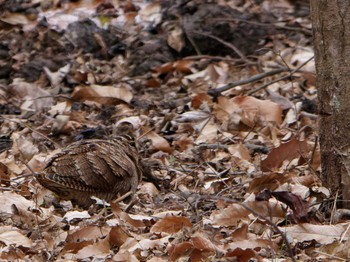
102, 168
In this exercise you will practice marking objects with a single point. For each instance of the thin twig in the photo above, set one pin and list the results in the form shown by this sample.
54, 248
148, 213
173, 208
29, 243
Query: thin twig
216, 92
198, 57
230, 45
334, 208
193, 43
281, 78
289, 28
32, 129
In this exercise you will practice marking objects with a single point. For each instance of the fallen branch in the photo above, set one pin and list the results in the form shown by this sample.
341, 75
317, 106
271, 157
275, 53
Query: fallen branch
216, 92
279, 79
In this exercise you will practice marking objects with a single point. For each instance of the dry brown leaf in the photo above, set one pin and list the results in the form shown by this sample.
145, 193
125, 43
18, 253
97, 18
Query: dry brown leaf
199, 255
74, 247
199, 99
88, 233
235, 213
117, 236
180, 250
202, 243
125, 217
183, 66
102, 94
241, 254
171, 224
164, 68
268, 181
97, 250
5, 174
240, 233
287, 151
338, 249
295, 202
158, 142
239, 151
183, 143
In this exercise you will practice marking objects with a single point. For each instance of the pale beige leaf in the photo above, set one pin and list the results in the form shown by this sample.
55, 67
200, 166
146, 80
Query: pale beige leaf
7, 199
124, 255
265, 109
323, 234
240, 151
34, 97
208, 131
176, 38
15, 19
12, 236
70, 215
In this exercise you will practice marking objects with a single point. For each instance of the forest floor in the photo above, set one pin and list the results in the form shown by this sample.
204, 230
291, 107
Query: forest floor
220, 93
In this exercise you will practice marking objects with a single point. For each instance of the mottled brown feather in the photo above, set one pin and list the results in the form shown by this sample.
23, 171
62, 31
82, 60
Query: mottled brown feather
102, 168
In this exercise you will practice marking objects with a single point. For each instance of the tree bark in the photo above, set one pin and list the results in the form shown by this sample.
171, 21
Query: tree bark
331, 29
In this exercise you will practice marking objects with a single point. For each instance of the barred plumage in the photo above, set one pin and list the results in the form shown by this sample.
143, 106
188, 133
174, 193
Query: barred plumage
102, 168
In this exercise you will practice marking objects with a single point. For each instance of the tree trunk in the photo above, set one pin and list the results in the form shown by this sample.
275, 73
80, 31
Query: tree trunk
331, 28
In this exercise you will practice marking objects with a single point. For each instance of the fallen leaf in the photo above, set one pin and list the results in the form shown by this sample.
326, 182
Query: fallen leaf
12, 236
180, 250
102, 94
98, 250
235, 213
287, 151
323, 234
296, 203
70, 215
158, 142
171, 224
176, 38
265, 109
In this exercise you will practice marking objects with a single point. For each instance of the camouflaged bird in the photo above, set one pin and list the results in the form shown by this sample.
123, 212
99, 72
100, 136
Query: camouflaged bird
102, 168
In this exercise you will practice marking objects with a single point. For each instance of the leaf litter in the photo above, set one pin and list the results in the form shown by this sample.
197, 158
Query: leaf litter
219, 94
